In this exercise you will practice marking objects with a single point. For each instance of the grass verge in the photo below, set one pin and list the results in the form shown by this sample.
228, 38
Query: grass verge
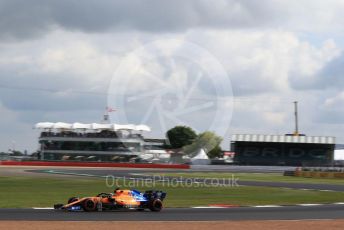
264, 177
21, 192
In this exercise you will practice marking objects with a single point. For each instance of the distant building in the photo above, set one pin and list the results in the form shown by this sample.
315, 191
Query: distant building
257, 149
155, 151
154, 144
4, 156
90, 142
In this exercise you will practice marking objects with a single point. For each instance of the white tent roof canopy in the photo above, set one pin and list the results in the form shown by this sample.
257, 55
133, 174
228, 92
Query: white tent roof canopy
44, 125
62, 125
201, 158
92, 126
101, 126
81, 126
201, 155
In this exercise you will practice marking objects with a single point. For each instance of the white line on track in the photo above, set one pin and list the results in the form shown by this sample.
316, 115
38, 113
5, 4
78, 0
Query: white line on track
272, 206
339, 203
138, 174
309, 204
47, 208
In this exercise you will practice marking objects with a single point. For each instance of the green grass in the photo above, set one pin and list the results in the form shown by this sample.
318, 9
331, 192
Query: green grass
264, 177
19, 192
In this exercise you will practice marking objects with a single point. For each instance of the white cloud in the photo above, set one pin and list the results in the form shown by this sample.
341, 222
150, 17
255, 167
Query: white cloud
263, 61
66, 70
77, 58
335, 102
259, 64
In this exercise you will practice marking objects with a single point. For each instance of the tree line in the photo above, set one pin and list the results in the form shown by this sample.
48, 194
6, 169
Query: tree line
185, 138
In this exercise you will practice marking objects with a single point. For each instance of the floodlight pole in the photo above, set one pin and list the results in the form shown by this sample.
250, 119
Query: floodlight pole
296, 132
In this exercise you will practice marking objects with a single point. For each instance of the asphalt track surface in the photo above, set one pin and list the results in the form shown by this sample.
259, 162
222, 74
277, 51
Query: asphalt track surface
140, 175
181, 214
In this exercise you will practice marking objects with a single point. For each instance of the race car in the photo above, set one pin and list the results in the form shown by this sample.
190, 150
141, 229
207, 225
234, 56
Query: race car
120, 199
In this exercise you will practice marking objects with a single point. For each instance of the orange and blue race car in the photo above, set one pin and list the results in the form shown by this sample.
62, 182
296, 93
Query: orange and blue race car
120, 199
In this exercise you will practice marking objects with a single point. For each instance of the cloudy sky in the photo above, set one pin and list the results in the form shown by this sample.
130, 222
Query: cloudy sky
228, 66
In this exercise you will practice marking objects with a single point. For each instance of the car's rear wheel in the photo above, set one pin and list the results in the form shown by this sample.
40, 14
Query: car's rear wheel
72, 199
156, 205
89, 205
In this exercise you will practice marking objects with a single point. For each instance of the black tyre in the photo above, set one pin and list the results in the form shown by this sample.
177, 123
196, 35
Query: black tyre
155, 205
89, 205
72, 199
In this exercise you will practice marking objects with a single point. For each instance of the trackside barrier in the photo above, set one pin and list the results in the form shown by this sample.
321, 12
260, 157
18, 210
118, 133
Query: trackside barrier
94, 164
315, 174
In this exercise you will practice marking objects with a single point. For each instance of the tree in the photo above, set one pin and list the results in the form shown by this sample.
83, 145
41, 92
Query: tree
181, 136
208, 141
16, 153
215, 152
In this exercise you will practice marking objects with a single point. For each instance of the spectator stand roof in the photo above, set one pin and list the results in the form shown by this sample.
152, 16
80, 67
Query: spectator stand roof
283, 138
92, 126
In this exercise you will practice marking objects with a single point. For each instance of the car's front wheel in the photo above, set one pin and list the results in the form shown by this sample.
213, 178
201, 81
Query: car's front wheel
89, 205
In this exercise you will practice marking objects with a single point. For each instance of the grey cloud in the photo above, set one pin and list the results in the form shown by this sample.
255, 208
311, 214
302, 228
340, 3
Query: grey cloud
23, 19
26, 19
250, 82
331, 76
47, 92
330, 116
30, 99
